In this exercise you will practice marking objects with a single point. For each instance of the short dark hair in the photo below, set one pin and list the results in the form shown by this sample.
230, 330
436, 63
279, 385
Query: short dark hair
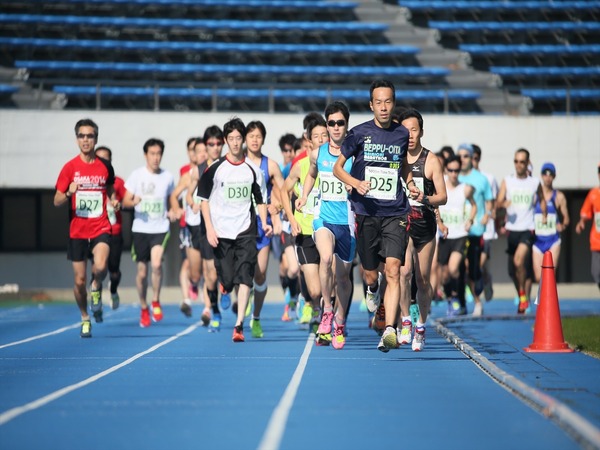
152, 142
447, 149
337, 106
317, 122
477, 150
523, 150
257, 125
86, 123
235, 123
191, 140
452, 159
313, 115
212, 132
385, 84
286, 139
411, 112
104, 148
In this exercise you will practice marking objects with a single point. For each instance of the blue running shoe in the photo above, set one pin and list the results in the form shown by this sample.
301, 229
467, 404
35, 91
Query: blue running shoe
225, 300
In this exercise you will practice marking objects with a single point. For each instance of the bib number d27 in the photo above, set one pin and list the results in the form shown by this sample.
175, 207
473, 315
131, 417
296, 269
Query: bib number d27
88, 204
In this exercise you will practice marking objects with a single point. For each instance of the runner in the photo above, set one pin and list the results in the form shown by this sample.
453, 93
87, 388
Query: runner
379, 149
428, 175
227, 189
201, 254
256, 134
148, 192
301, 221
547, 237
457, 216
86, 183
517, 195
333, 226
116, 239
591, 211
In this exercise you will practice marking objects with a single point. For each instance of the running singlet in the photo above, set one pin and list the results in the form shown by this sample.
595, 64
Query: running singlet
191, 218
150, 215
334, 207
591, 210
87, 215
547, 232
453, 212
306, 216
115, 217
521, 193
378, 154
230, 189
418, 210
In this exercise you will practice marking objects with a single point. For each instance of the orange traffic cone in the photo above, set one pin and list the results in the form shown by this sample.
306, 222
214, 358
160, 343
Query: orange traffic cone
548, 335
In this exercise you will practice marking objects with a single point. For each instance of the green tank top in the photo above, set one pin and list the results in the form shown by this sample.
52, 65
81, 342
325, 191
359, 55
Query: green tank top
305, 217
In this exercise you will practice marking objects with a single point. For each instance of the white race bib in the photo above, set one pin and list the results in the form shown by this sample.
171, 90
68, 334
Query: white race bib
88, 204
452, 217
597, 221
332, 189
521, 198
112, 216
549, 229
384, 182
236, 192
153, 206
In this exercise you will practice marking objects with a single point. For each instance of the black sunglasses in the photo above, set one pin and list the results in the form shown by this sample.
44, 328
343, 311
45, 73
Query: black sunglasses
453, 170
339, 123
83, 136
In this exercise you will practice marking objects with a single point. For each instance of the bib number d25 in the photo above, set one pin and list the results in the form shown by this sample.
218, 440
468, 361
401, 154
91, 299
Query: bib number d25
384, 183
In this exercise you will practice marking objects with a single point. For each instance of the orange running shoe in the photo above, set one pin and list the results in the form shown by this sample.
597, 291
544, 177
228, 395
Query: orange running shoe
238, 334
145, 318
157, 314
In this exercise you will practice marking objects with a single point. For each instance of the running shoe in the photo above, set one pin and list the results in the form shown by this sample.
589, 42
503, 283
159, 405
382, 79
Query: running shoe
488, 290
389, 340
115, 301
186, 308
373, 298
145, 318
256, 328
478, 310
523, 305
205, 317
157, 314
307, 313
193, 292
323, 340
419, 340
215, 324
286, 314
339, 339
313, 326
86, 329
414, 313
363, 306
225, 300
238, 334
96, 304
468, 295
378, 321
405, 332
325, 325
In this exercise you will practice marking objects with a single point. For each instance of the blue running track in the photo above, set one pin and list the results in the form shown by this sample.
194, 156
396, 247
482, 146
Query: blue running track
176, 386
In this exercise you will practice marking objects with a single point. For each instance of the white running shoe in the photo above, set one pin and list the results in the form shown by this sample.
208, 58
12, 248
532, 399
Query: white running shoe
373, 298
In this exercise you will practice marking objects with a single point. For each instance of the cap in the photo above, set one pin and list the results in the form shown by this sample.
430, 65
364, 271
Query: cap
465, 146
549, 166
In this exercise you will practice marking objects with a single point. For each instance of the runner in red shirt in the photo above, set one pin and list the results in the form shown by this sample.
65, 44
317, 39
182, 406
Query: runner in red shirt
85, 182
116, 240
591, 211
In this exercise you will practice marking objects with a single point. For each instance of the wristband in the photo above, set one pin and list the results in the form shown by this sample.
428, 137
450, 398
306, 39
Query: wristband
425, 200
411, 181
68, 194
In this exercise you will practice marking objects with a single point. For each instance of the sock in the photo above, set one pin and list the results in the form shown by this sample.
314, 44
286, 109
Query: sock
406, 318
374, 287
328, 309
255, 318
213, 296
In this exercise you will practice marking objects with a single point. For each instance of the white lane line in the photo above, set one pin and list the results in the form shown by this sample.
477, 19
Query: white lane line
271, 439
50, 333
19, 410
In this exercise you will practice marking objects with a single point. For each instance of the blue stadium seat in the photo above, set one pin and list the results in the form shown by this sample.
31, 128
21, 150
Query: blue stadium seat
234, 3
145, 22
499, 5
105, 67
479, 49
8, 89
545, 71
113, 45
559, 94
520, 26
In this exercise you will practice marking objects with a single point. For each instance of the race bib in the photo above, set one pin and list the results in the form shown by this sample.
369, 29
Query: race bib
597, 221
237, 192
153, 206
452, 217
549, 229
521, 198
88, 204
420, 183
384, 182
311, 202
332, 189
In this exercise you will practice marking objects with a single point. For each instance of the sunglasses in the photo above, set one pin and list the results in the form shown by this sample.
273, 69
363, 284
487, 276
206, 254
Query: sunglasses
84, 136
453, 170
339, 123
213, 144
520, 161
